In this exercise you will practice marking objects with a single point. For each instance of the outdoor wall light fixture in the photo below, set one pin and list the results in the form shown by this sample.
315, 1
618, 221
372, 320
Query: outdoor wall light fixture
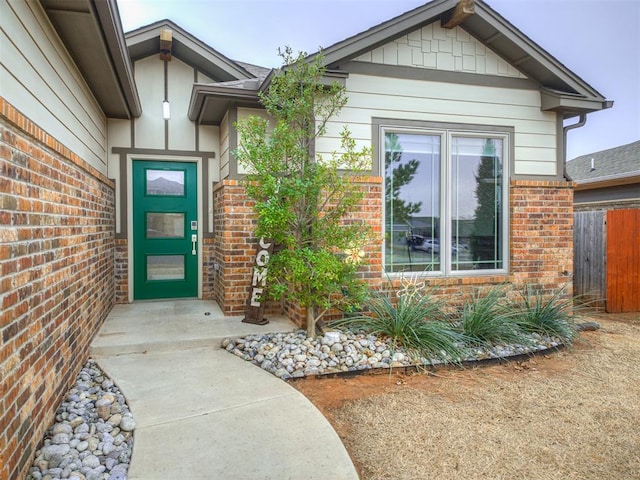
166, 110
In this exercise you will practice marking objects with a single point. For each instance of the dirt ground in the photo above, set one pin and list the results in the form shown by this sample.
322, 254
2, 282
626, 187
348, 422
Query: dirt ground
571, 414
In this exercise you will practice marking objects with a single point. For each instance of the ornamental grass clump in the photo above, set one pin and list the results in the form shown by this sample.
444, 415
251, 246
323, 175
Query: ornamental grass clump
549, 315
414, 322
484, 320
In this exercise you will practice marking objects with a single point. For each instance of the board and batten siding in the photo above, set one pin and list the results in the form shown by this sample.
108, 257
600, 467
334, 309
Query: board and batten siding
407, 99
150, 127
40, 79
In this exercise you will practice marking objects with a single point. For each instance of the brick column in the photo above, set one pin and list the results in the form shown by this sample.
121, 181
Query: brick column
542, 234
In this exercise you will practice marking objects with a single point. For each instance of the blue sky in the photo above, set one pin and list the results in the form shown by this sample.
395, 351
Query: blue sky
597, 39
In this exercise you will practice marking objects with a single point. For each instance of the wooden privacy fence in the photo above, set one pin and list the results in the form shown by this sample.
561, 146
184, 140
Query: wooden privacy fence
589, 256
607, 258
623, 260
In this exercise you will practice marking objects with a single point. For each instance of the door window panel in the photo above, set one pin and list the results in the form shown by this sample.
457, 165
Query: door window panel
165, 267
165, 225
165, 182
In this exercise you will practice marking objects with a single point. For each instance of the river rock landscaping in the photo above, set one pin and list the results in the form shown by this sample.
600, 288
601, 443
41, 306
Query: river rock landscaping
294, 355
92, 437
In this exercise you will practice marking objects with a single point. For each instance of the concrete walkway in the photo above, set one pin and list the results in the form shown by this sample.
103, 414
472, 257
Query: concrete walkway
203, 413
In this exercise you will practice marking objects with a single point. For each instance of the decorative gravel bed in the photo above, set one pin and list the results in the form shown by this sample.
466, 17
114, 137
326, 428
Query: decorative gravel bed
293, 355
92, 437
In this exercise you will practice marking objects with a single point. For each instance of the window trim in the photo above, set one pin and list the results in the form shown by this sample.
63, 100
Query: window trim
447, 131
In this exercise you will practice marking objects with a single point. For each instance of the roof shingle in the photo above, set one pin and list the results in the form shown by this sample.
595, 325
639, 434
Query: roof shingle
614, 162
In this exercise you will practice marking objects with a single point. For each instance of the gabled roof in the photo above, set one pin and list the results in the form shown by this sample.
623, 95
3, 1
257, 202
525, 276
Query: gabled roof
92, 32
615, 166
562, 90
145, 41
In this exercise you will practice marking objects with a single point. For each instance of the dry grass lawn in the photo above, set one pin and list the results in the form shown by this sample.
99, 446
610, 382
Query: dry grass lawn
573, 414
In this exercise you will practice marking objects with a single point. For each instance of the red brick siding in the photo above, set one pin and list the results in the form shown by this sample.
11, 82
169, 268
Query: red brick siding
56, 262
235, 245
208, 268
542, 234
540, 244
121, 269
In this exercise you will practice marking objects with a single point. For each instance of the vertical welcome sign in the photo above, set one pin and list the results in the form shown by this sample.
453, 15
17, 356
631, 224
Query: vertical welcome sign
254, 311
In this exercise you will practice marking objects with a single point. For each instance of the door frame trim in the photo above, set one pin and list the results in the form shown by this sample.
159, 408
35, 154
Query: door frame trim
161, 158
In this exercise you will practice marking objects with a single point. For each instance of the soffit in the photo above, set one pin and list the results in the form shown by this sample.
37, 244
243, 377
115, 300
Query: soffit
92, 33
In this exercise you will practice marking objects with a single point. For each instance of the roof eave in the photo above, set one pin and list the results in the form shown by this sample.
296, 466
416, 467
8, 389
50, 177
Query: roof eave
490, 28
352, 47
145, 41
608, 181
209, 103
92, 33
570, 104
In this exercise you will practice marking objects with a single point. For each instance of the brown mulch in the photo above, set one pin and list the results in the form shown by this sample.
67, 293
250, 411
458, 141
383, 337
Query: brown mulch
571, 414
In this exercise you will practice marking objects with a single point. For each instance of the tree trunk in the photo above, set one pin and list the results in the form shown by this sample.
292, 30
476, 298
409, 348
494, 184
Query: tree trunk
311, 322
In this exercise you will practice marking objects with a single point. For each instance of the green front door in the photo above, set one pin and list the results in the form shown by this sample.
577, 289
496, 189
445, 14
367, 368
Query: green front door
165, 230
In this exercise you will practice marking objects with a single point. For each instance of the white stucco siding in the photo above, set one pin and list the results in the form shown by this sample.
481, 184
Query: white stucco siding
243, 113
181, 129
202, 78
40, 79
119, 136
210, 142
149, 127
209, 138
438, 48
403, 99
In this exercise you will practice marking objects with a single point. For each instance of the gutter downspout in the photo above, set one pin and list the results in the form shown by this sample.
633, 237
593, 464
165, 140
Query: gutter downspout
565, 130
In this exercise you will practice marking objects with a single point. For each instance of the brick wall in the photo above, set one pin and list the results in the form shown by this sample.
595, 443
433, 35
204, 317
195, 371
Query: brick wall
121, 271
542, 234
208, 268
234, 246
56, 262
541, 245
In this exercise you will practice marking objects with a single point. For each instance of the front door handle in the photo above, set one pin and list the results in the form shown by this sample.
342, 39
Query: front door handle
194, 242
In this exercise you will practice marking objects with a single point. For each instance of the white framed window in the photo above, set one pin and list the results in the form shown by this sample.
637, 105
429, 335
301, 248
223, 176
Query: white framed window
446, 198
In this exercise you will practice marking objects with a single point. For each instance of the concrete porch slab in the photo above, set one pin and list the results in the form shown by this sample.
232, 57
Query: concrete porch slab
202, 413
173, 325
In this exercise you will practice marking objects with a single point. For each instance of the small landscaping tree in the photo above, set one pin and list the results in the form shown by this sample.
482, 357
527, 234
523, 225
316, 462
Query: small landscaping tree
305, 203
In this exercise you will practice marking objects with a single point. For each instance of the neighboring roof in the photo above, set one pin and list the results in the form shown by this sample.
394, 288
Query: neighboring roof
615, 166
255, 70
562, 90
92, 32
145, 41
